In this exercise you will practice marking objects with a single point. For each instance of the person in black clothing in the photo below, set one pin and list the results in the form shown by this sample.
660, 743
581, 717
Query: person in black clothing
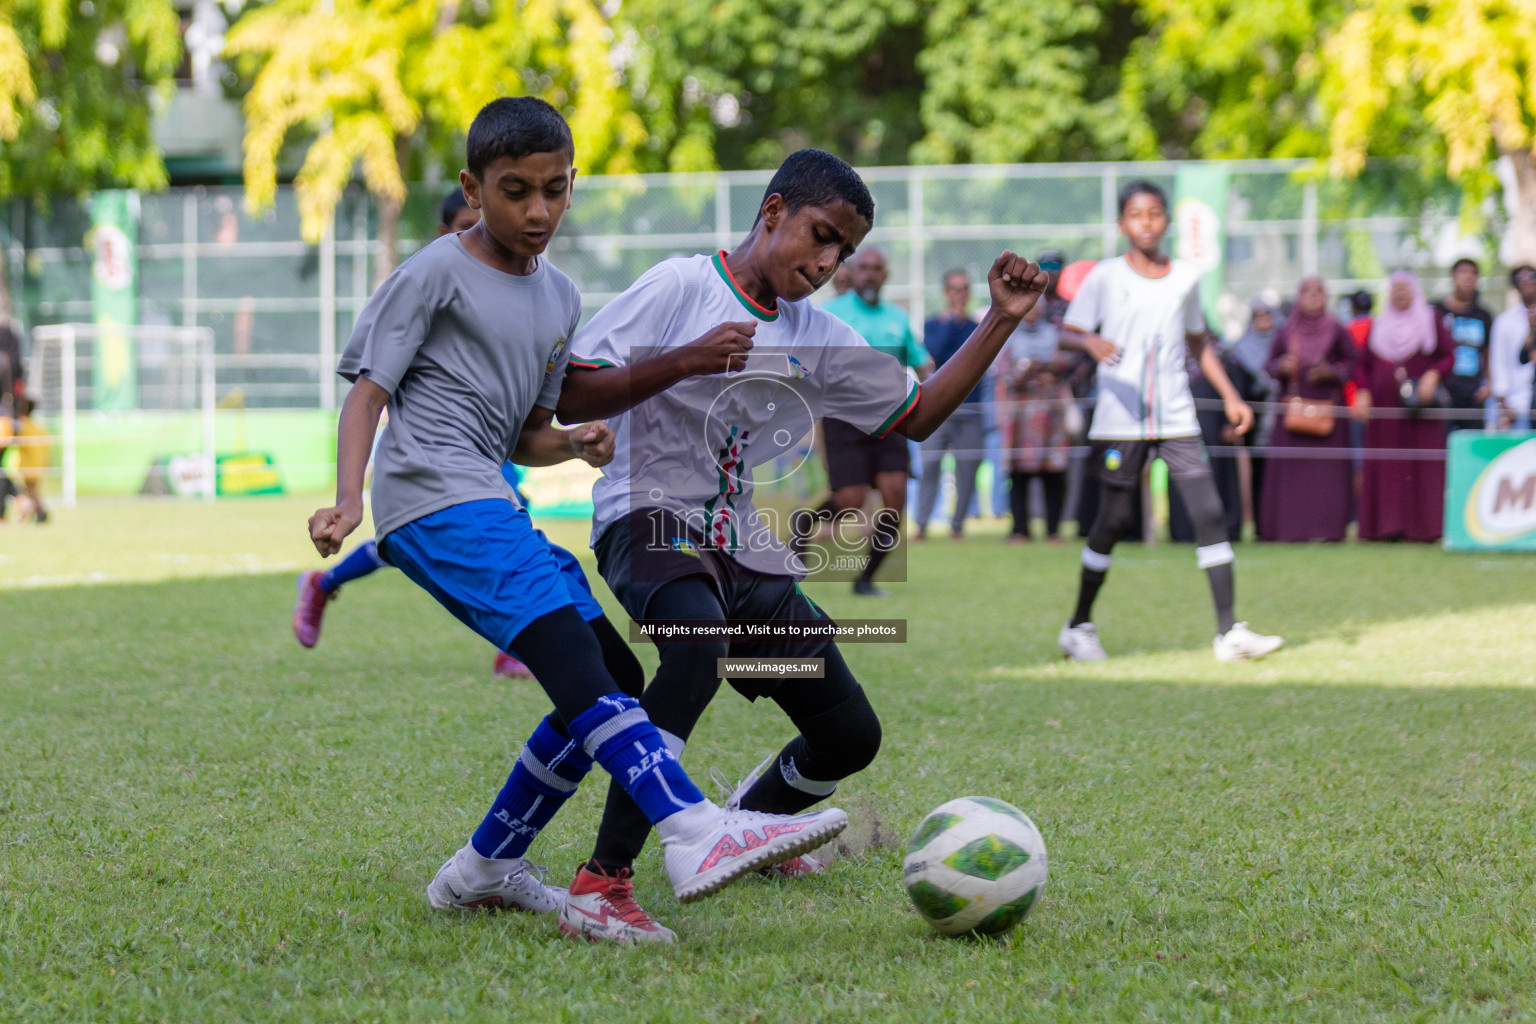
1470, 326
1217, 433
964, 433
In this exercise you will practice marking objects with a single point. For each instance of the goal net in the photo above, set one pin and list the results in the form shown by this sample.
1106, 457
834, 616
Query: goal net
141, 411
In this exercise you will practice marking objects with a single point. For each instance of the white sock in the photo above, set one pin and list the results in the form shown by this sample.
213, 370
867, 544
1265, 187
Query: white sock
688, 822
481, 872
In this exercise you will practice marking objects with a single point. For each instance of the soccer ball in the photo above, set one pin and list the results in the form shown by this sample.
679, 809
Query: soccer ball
976, 864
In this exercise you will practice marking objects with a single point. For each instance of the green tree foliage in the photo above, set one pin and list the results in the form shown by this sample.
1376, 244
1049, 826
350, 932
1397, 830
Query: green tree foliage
379, 84
1006, 81
1451, 82
794, 73
75, 86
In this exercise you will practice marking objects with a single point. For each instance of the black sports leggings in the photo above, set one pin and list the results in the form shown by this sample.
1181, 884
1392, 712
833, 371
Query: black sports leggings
839, 732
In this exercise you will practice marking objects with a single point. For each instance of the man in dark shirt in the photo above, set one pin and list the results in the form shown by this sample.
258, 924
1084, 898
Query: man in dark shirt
1470, 326
964, 433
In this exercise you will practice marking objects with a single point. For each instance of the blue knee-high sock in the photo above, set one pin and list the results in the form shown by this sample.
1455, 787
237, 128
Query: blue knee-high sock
547, 772
363, 560
619, 736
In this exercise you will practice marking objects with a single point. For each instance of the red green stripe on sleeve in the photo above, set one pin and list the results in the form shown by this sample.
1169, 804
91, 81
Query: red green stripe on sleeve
901, 411
590, 364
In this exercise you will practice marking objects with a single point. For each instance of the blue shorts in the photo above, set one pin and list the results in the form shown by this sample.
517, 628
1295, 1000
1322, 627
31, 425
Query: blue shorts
485, 563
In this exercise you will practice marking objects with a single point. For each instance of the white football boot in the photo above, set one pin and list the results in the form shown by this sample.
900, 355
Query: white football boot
1242, 644
795, 867
1080, 643
521, 888
730, 843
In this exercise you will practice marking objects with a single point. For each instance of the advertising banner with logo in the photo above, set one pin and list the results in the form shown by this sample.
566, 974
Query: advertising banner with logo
1200, 220
114, 297
1490, 492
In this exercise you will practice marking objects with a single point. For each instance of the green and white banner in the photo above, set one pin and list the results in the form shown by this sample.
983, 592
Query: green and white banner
1490, 492
115, 298
1200, 220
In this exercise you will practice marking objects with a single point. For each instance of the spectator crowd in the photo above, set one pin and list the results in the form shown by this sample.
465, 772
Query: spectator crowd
1355, 399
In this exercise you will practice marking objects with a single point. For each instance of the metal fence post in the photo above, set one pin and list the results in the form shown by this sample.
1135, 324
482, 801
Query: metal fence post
722, 212
204, 342
915, 248
328, 313
70, 397
1109, 214
1309, 229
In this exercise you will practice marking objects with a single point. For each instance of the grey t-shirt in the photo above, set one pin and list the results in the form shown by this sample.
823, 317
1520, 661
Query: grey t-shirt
465, 352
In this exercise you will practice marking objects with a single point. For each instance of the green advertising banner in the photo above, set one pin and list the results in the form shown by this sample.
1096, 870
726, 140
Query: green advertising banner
114, 298
1490, 492
1200, 218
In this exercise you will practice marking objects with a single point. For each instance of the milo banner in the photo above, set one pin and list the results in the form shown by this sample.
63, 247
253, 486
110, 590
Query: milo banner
1200, 218
1490, 492
114, 298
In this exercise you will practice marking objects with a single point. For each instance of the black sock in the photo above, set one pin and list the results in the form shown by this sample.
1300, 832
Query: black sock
1223, 592
887, 534
1087, 592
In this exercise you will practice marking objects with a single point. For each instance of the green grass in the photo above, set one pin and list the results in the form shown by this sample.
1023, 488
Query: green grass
201, 822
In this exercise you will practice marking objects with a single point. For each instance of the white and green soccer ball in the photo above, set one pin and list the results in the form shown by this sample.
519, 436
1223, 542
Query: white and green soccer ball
976, 864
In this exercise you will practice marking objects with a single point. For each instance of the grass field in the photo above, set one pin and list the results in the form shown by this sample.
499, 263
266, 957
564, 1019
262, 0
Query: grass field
199, 821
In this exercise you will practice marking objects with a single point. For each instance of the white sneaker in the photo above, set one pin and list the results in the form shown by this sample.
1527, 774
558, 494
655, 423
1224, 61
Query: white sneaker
1080, 643
1242, 644
522, 888
602, 908
737, 842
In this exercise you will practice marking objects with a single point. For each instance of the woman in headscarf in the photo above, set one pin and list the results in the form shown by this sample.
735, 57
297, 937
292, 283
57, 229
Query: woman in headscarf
1032, 406
1306, 496
1408, 354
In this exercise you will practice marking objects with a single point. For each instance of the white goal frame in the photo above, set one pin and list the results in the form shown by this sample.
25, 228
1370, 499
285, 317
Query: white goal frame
67, 338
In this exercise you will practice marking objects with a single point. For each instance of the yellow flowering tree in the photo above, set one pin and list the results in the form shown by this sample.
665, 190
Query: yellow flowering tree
1453, 81
371, 84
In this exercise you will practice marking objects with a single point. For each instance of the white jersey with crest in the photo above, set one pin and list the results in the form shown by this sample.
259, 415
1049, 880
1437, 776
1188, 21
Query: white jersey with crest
693, 449
1145, 395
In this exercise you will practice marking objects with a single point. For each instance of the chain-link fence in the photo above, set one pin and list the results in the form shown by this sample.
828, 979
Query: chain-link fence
279, 308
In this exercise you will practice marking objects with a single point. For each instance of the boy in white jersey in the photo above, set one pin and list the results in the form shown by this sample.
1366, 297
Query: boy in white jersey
1139, 316
466, 342
711, 366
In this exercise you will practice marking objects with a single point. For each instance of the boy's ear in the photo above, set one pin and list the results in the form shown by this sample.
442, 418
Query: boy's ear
471, 186
773, 212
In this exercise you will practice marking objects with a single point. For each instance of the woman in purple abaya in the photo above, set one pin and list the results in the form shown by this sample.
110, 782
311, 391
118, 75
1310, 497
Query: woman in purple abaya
1408, 354
1306, 496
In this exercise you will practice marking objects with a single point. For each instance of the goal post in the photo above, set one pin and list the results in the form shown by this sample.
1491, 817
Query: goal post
175, 374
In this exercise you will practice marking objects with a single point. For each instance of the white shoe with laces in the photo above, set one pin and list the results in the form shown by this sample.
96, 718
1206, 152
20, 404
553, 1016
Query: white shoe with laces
795, 867
1242, 644
1080, 642
733, 842
522, 888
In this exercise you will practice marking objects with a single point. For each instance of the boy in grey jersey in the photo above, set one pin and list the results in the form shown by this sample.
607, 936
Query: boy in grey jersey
467, 344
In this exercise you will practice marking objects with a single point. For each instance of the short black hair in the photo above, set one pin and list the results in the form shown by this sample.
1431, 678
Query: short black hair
1466, 261
453, 202
814, 177
1142, 187
955, 272
515, 126
1515, 272
1362, 302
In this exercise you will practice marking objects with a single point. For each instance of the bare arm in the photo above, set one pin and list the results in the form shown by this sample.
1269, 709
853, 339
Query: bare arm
1239, 413
328, 527
541, 443
591, 394
1016, 285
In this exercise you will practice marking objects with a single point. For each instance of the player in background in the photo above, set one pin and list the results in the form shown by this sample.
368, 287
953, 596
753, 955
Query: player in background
856, 459
466, 343
317, 589
1138, 315
711, 366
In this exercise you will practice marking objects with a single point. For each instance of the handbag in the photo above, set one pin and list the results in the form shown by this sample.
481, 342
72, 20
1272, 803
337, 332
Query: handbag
1307, 416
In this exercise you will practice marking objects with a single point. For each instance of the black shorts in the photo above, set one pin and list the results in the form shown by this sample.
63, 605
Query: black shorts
854, 457
1119, 463
635, 567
